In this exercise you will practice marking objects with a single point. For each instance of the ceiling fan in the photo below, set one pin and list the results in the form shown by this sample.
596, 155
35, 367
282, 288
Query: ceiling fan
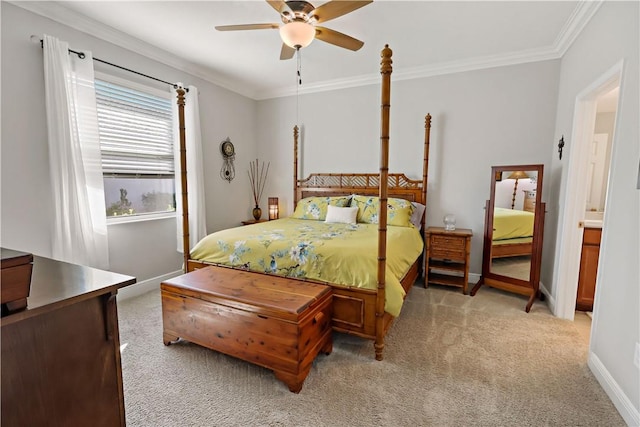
300, 19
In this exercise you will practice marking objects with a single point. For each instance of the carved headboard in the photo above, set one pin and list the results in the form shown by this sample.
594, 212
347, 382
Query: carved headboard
339, 184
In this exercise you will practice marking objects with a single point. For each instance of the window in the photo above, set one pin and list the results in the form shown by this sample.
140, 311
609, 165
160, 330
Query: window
136, 140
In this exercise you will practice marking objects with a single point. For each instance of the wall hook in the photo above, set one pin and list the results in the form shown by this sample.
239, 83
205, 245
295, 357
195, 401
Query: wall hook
560, 146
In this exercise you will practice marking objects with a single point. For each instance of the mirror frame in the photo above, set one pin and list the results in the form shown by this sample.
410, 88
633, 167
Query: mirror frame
523, 287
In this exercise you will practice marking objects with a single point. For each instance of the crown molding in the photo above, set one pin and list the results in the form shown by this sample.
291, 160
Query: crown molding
579, 18
471, 64
77, 21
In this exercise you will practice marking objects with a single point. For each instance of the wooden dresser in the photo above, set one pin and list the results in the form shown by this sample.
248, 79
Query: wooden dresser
448, 257
61, 355
529, 203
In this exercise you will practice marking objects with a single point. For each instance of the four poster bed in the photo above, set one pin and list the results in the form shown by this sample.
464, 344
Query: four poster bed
356, 310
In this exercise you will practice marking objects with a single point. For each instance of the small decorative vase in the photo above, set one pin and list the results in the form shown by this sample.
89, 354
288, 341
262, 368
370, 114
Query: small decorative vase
449, 222
257, 213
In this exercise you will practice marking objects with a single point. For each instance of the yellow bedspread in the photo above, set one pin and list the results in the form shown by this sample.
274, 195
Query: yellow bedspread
511, 224
340, 254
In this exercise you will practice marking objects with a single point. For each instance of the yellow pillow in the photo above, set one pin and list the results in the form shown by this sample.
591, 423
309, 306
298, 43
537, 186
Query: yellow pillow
316, 207
398, 210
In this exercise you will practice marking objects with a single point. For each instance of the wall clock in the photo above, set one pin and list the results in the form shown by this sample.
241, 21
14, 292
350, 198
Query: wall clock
228, 152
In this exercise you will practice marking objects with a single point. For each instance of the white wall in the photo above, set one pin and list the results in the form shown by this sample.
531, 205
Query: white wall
605, 123
499, 116
142, 249
611, 36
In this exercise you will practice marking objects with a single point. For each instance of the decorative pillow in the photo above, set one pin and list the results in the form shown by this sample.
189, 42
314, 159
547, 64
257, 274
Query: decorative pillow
342, 215
398, 210
416, 216
316, 207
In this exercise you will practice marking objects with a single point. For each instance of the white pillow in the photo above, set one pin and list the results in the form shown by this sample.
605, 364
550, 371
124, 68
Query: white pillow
341, 215
416, 216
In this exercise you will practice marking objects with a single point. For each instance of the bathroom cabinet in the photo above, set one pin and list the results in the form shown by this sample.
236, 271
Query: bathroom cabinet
588, 268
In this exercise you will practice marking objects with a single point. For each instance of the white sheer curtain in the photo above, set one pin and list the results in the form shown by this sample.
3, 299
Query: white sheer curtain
79, 218
195, 171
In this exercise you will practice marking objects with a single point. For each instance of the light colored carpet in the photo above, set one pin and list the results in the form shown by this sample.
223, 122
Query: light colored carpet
450, 360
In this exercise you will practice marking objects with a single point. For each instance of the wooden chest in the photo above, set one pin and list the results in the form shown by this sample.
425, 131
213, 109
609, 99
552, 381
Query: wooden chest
268, 320
15, 279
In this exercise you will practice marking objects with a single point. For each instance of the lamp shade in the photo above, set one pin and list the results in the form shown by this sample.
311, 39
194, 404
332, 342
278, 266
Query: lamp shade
273, 208
518, 175
297, 34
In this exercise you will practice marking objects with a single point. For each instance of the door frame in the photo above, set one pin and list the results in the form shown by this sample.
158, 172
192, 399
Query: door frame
569, 231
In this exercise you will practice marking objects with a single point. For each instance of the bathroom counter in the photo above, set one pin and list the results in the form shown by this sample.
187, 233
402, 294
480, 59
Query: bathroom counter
592, 223
593, 219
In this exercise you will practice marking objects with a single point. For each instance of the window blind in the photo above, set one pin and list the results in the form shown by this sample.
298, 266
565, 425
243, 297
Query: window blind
136, 131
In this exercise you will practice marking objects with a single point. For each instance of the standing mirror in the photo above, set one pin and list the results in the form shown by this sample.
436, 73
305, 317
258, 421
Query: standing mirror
514, 220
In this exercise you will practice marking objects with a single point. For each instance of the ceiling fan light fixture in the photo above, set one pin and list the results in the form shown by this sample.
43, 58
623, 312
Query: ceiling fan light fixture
297, 34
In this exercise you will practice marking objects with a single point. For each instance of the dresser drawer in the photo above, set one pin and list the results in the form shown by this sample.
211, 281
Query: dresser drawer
450, 254
447, 242
592, 236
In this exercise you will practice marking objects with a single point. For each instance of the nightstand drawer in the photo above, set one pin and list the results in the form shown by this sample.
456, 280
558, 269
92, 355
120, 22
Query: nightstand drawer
447, 242
451, 254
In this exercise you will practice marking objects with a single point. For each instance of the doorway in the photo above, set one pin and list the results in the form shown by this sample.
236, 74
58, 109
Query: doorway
582, 172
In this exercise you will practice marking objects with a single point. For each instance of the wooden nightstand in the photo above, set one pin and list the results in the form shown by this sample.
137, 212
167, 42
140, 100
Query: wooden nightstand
448, 255
253, 221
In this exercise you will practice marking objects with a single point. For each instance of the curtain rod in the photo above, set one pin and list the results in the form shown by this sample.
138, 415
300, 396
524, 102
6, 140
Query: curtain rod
81, 55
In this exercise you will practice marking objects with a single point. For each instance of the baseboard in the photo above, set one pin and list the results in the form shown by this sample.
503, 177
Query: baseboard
145, 286
474, 277
551, 301
629, 413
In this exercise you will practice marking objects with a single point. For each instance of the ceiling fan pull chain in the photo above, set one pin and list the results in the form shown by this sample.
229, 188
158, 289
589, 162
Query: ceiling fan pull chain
299, 67
298, 83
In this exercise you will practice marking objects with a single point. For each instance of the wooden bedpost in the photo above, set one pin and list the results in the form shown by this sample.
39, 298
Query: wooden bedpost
183, 177
425, 170
385, 105
295, 166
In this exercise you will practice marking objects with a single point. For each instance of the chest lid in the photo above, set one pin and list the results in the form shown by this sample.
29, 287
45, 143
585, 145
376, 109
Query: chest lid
264, 294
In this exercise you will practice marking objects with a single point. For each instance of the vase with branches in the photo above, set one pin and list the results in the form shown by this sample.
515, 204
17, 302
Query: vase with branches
258, 177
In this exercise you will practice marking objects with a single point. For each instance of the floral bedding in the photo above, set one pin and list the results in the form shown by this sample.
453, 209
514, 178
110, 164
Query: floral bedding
335, 253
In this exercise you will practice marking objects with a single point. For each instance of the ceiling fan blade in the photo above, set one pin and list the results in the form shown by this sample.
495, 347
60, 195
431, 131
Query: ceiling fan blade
335, 9
338, 39
276, 4
247, 27
287, 52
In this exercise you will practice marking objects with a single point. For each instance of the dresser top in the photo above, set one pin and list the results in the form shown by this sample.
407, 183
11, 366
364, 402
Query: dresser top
55, 284
461, 232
